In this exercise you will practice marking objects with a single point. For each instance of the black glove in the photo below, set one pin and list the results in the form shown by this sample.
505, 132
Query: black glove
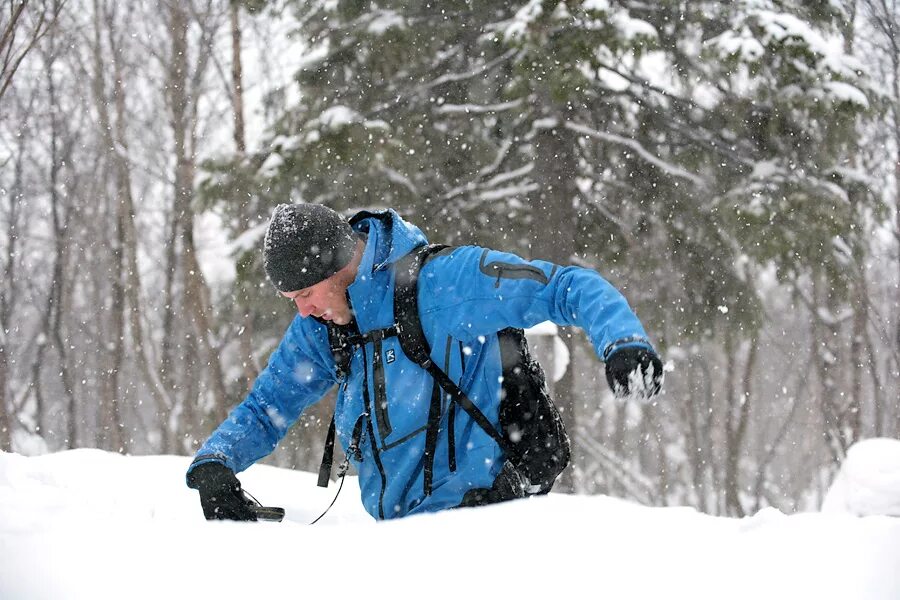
221, 495
621, 367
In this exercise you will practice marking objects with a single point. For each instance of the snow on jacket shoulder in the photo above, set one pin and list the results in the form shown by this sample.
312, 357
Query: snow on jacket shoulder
466, 295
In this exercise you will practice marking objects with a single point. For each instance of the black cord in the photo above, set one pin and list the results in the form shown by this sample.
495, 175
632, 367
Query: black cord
251, 497
342, 471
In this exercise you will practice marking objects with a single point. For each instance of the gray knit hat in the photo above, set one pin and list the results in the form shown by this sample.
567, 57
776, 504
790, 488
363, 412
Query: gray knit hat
305, 244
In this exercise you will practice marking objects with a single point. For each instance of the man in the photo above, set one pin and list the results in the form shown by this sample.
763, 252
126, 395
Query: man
342, 275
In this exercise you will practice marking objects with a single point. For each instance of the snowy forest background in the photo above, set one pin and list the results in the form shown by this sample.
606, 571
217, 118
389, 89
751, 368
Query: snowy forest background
733, 167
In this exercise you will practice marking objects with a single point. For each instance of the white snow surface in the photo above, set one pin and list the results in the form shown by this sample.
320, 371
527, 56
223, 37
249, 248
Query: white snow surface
95, 525
868, 482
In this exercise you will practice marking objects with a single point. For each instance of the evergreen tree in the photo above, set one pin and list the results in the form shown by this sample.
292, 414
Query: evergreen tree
681, 134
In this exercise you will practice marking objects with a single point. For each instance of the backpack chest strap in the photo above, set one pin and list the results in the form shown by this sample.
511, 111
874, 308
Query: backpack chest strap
376, 335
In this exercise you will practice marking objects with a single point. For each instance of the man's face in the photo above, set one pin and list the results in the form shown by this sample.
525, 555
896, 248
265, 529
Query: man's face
326, 299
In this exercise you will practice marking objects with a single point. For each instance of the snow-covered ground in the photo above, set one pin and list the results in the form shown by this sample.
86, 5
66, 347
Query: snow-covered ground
94, 525
868, 482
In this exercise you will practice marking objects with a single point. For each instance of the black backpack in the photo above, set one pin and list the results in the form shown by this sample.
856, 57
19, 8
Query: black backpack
533, 436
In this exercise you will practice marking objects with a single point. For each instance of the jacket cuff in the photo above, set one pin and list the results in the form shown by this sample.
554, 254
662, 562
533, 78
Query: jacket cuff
631, 341
203, 459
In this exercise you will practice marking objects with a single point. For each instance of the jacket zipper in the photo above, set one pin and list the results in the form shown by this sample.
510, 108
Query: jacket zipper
451, 416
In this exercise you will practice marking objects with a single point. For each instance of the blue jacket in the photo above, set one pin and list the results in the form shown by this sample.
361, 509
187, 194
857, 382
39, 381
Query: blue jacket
465, 297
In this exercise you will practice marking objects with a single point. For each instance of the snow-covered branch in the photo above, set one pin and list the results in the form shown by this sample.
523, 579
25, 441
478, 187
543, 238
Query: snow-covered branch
512, 191
477, 108
667, 167
399, 179
453, 77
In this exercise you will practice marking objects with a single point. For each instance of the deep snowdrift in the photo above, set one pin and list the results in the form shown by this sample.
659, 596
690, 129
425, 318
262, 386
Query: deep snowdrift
89, 524
868, 482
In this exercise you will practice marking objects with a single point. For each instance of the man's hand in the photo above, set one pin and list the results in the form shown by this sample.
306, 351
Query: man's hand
220, 493
634, 371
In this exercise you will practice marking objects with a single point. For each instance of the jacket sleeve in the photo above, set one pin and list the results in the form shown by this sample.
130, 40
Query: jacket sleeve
478, 291
299, 373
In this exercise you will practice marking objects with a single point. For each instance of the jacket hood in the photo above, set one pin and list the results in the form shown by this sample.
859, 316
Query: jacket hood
388, 237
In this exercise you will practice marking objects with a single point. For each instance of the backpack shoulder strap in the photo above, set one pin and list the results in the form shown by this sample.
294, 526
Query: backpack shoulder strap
406, 302
341, 344
414, 343
341, 349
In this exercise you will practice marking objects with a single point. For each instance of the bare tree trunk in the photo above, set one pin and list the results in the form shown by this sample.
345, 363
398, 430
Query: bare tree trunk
60, 210
200, 308
890, 27
53, 289
697, 409
737, 417
770, 451
116, 137
111, 434
237, 91
617, 446
653, 428
57, 292
65, 374
177, 26
119, 437
860, 305
7, 301
167, 353
183, 83
553, 215
9, 297
5, 421
245, 335
857, 363
896, 112
823, 332
110, 413
191, 417
732, 500
877, 402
